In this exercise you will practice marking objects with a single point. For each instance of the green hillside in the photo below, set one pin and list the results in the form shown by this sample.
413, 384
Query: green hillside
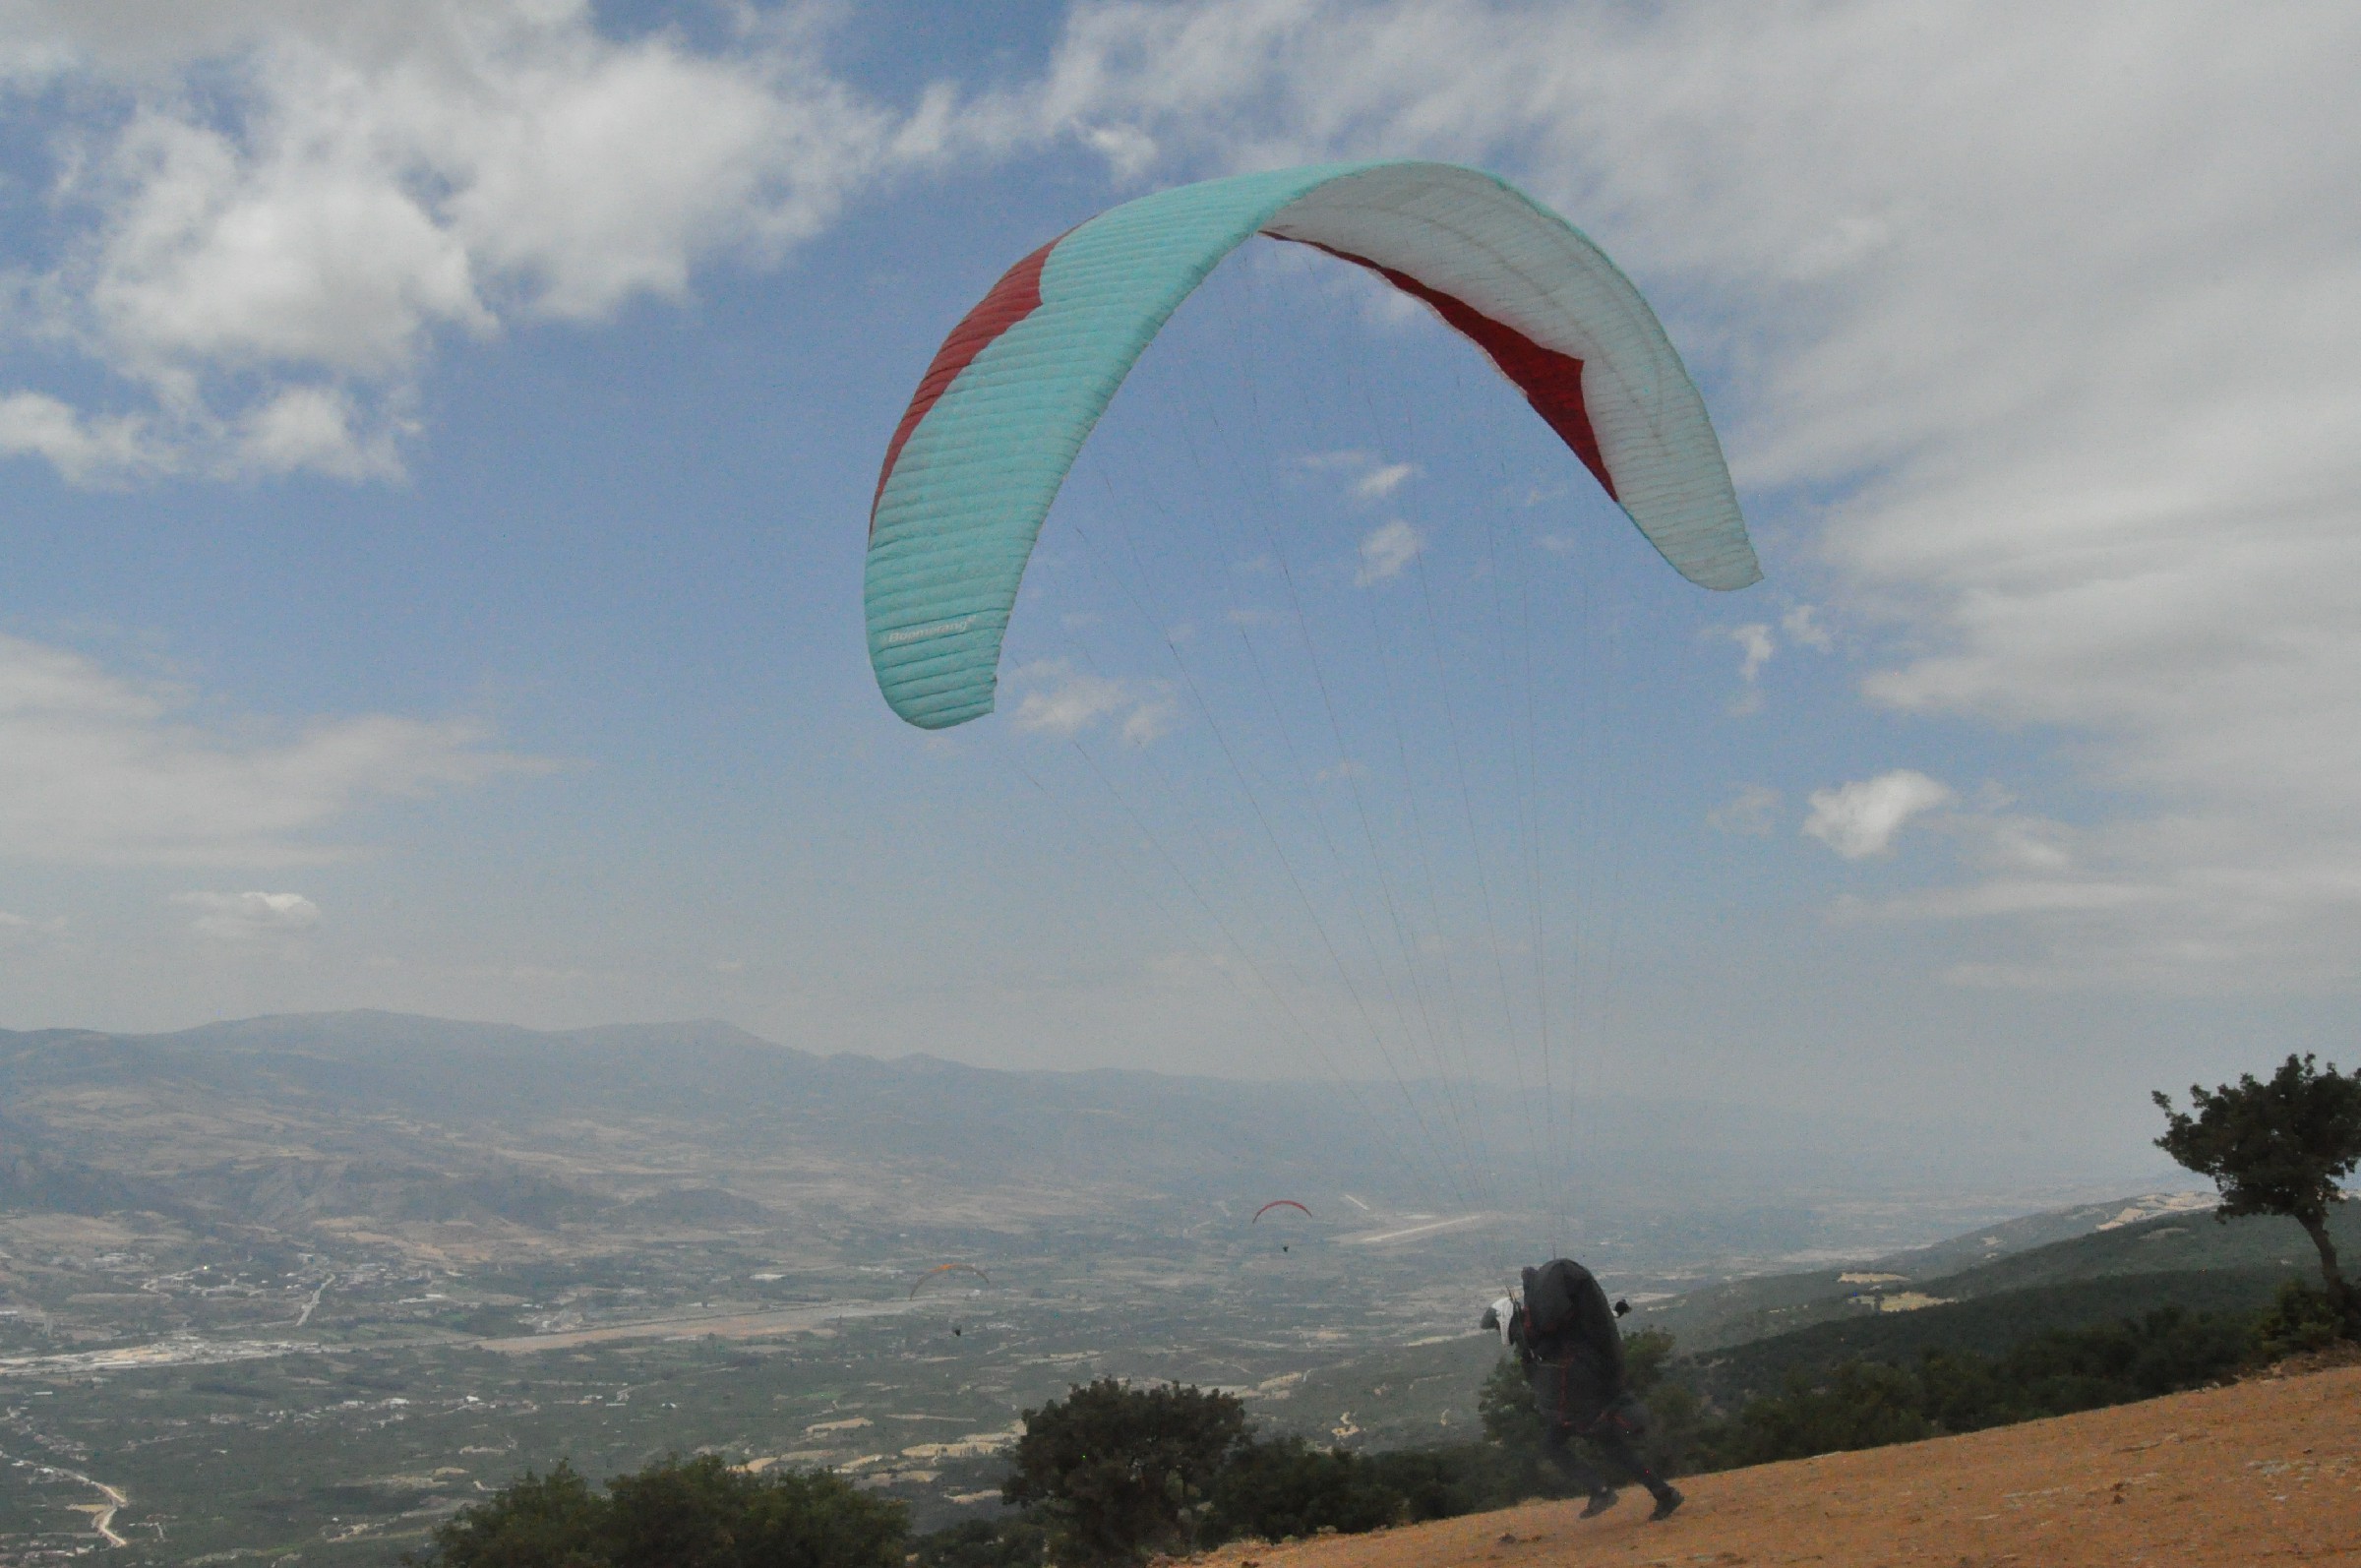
2013, 1258
1986, 1325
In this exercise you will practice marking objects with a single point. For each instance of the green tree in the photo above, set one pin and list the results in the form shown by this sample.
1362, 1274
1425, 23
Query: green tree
1287, 1487
695, 1512
2281, 1147
1119, 1472
552, 1521
1505, 1407
1857, 1405
1006, 1542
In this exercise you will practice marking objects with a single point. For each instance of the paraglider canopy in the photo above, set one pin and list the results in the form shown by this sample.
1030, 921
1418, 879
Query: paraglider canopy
941, 1269
1279, 1203
980, 452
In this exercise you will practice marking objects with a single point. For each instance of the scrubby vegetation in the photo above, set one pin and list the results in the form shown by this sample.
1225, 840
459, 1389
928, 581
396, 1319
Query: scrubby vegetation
1112, 1474
695, 1513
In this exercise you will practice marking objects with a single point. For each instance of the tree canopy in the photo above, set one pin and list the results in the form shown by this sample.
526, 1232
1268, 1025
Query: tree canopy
2281, 1146
696, 1513
1121, 1470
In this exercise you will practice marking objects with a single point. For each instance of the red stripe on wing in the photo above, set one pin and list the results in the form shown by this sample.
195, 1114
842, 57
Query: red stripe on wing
1550, 381
1014, 297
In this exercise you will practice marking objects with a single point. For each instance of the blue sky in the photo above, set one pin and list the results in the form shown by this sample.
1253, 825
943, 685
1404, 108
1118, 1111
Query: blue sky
438, 441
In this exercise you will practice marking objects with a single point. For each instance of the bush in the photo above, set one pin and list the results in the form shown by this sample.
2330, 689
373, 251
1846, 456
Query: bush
1445, 1482
1858, 1405
1862, 1404
1118, 1471
1287, 1487
1008, 1543
552, 1521
698, 1513
2301, 1319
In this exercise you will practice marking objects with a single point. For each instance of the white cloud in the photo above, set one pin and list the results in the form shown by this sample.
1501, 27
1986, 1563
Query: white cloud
274, 211
1065, 701
1068, 701
35, 425
1150, 722
2062, 353
1802, 625
1750, 811
1756, 647
248, 917
1385, 551
95, 769
1862, 818
1371, 476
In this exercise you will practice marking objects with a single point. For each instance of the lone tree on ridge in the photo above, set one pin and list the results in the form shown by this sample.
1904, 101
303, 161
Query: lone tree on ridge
2277, 1148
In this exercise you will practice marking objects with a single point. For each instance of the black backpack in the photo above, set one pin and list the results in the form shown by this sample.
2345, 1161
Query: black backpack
1552, 1292
1567, 1315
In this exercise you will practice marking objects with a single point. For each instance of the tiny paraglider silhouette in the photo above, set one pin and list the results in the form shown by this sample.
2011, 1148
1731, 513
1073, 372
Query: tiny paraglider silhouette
1279, 1203
940, 1268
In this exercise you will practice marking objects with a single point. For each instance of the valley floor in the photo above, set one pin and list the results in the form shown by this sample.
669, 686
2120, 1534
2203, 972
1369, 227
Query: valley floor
2263, 1472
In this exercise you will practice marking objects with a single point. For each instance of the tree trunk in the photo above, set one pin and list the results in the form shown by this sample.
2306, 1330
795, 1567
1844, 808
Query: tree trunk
2340, 1295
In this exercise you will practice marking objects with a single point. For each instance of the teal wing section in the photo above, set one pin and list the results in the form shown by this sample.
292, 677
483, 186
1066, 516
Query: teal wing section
958, 518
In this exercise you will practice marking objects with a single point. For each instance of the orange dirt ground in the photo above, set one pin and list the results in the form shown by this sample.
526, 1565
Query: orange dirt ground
2262, 1472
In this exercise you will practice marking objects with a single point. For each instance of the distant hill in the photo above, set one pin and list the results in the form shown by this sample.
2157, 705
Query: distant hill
1986, 1325
2185, 1260
2156, 1233
386, 1120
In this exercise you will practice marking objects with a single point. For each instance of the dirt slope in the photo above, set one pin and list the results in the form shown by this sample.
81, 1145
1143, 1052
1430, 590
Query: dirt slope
2267, 1471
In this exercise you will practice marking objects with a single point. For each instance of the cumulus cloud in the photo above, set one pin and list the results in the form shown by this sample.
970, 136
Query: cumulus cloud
2064, 357
274, 212
96, 768
1862, 818
1803, 626
1069, 702
1755, 647
1385, 551
1750, 811
249, 917
1149, 722
1064, 701
1370, 476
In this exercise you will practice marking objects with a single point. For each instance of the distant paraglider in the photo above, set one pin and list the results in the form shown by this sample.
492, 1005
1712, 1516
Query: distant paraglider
941, 1269
1280, 1203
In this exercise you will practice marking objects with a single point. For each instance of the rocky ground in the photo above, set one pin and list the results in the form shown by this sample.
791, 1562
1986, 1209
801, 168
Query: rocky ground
2263, 1472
